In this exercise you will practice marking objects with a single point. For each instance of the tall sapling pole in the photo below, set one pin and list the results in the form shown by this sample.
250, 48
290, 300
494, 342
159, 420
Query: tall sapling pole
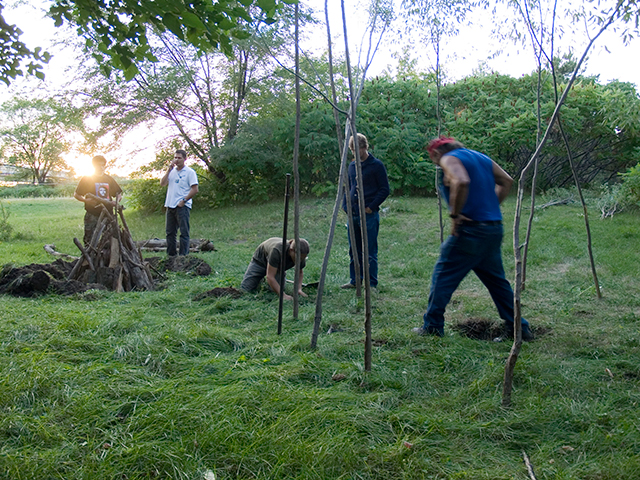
284, 252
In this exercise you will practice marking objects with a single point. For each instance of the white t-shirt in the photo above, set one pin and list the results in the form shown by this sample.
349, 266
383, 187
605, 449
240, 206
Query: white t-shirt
180, 182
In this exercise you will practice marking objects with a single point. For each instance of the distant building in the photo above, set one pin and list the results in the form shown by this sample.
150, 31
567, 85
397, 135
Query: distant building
10, 170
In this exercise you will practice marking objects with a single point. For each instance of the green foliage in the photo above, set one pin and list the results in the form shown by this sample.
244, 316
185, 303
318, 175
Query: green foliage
13, 53
34, 133
117, 32
6, 229
37, 191
630, 190
145, 194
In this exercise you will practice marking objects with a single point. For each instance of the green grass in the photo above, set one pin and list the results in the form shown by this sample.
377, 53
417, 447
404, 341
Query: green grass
157, 385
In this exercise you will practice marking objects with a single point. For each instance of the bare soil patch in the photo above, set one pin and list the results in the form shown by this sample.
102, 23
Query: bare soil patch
220, 292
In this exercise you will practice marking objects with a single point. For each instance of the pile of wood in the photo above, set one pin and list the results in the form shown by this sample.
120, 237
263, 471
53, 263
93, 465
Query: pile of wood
112, 258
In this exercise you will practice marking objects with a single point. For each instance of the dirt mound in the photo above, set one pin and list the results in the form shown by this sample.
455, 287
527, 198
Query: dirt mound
220, 292
37, 279
180, 263
479, 329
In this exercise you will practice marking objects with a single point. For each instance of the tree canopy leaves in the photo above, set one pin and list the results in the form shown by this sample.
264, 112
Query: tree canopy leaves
117, 31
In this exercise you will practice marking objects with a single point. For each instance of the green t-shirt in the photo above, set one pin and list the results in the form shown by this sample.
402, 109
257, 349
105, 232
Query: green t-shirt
269, 252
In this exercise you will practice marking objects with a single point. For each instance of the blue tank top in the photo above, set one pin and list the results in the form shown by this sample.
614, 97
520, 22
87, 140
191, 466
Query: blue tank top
482, 203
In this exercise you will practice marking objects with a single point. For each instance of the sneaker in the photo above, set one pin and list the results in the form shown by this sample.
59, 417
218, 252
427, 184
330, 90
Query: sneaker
428, 331
347, 286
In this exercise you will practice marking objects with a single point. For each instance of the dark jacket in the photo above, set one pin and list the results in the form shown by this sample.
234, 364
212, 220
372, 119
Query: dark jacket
376, 184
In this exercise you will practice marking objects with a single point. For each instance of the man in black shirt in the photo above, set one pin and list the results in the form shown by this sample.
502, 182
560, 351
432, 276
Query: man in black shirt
102, 186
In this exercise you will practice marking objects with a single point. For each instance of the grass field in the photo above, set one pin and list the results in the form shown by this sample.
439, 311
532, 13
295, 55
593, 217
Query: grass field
157, 385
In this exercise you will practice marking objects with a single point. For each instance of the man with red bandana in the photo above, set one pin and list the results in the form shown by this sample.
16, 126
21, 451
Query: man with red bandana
474, 187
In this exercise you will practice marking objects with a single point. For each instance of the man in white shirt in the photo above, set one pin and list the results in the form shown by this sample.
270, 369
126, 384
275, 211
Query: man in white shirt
182, 183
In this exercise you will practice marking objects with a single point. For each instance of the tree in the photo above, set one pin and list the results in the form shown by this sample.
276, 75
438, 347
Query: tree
204, 96
117, 31
36, 133
13, 53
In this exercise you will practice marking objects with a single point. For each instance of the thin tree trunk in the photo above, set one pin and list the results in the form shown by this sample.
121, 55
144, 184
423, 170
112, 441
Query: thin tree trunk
584, 209
439, 117
339, 195
533, 183
507, 386
361, 207
296, 179
327, 251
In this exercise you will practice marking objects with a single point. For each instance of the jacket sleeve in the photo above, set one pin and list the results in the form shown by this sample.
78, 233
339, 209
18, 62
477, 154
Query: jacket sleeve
383, 187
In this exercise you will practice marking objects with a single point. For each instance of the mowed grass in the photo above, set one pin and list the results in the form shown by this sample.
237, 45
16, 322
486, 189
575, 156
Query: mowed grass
158, 385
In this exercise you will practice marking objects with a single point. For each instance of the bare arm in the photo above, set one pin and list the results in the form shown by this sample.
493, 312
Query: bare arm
300, 292
84, 199
191, 194
164, 181
273, 283
457, 178
503, 182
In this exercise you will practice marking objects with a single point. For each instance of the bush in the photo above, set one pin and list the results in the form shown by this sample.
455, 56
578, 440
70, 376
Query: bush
5, 228
630, 191
145, 194
32, 191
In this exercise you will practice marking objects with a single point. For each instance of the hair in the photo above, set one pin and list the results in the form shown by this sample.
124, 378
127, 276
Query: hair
304, 247
443, 145
99, 159
362, 142
182, 153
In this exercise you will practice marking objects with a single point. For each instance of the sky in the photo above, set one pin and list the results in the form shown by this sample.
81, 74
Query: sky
473, 46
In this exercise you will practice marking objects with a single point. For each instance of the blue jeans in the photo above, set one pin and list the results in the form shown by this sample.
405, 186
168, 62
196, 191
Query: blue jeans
477, 247
373, 226
177, 218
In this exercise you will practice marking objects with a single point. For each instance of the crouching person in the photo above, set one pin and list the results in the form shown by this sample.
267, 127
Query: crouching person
266, 263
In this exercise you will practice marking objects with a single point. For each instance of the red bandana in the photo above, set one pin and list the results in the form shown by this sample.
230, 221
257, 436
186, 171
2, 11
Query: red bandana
438, 142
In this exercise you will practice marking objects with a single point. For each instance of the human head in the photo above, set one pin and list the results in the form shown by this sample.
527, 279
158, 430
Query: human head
99, 163
304, 248
179, 158
362, 142
438, 147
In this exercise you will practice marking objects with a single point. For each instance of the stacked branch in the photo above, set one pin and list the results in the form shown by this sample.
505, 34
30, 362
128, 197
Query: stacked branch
112, 258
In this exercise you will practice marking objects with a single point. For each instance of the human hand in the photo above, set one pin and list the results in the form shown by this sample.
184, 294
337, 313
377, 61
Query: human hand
181, 203
368, 210
456, 222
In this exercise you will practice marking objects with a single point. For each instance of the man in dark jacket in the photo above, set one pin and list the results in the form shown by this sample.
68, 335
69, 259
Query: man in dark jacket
376, 189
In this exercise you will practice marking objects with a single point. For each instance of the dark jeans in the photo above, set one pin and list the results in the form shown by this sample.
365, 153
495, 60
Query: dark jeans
177, 218
254, 275
477, 247
373, 226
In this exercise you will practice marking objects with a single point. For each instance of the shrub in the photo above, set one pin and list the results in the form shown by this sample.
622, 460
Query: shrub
5, 227
32, 191
145, 194
630, 190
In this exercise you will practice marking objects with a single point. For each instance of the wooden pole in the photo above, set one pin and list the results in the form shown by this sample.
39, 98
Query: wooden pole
284, 252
